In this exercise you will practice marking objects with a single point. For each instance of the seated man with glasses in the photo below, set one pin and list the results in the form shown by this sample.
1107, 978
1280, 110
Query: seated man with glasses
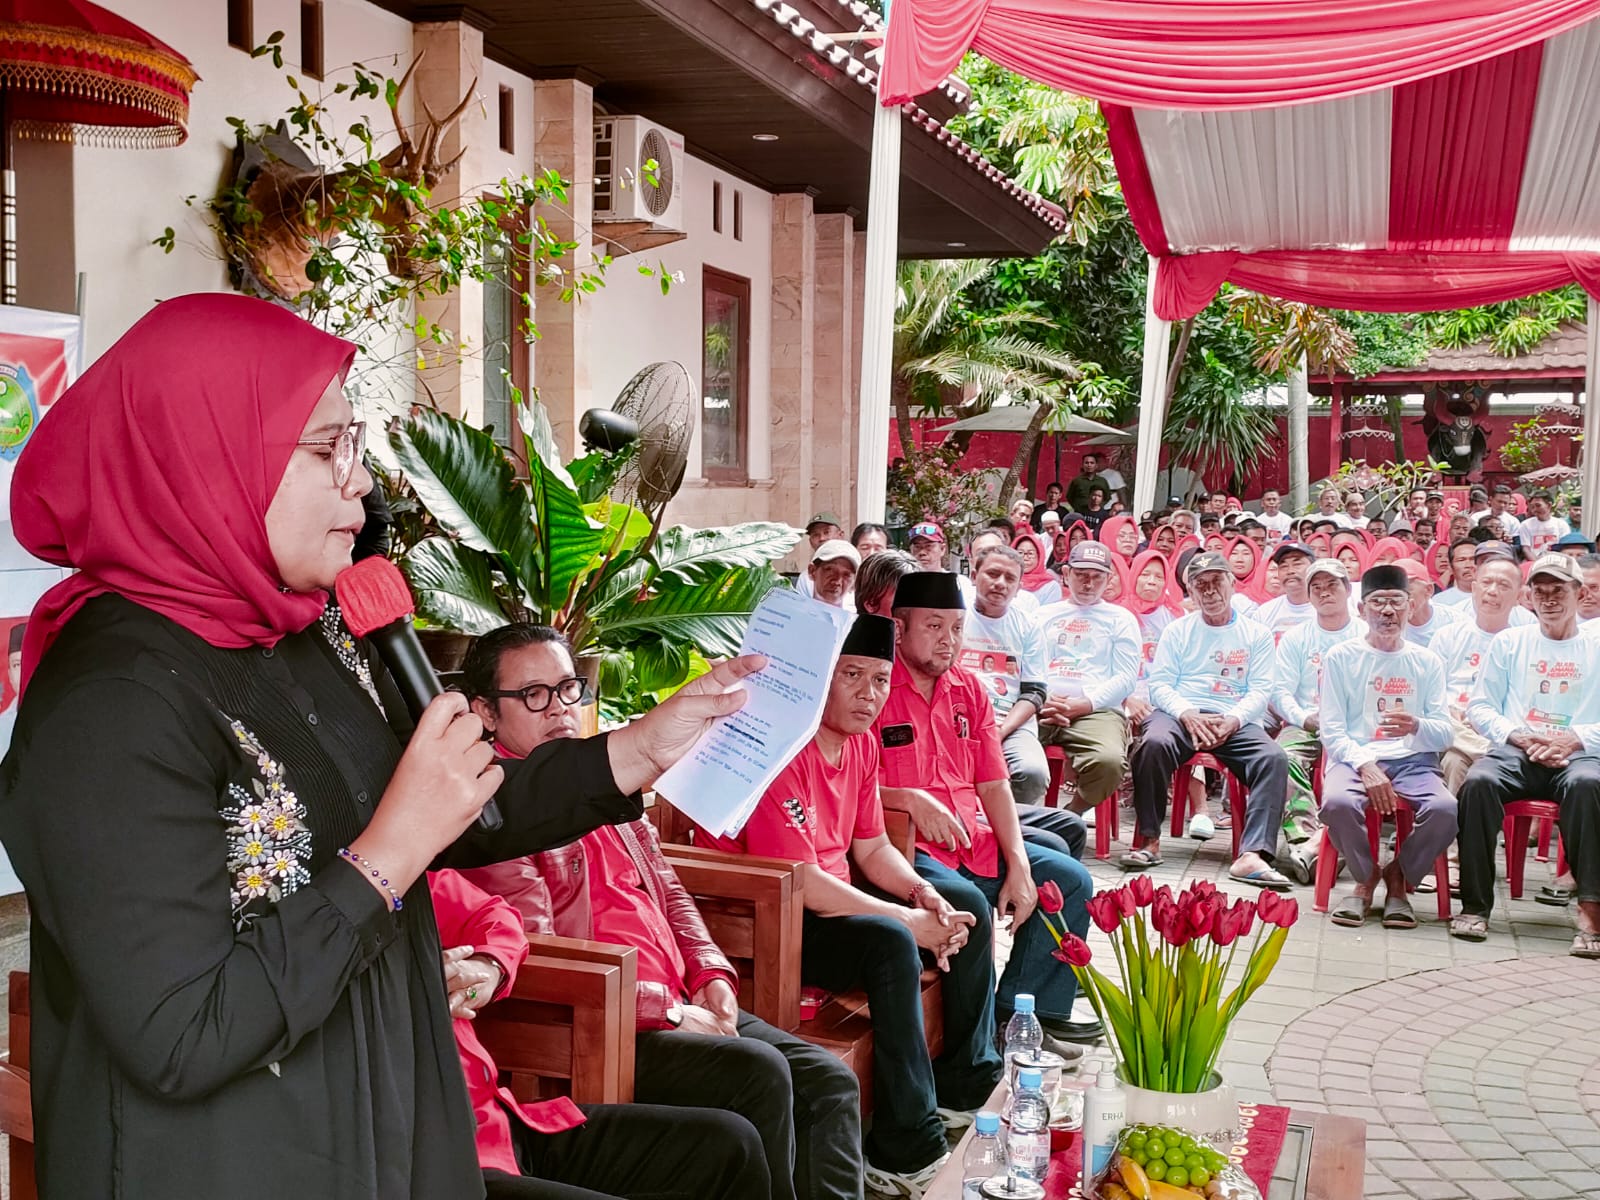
694, 1048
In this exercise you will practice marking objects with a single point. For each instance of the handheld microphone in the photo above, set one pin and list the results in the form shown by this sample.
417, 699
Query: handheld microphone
377, 605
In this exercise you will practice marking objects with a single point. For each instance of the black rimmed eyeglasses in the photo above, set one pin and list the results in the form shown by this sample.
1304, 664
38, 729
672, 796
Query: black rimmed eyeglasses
536, 697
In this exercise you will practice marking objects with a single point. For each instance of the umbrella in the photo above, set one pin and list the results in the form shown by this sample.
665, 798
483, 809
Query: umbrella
71, 71
1014, 418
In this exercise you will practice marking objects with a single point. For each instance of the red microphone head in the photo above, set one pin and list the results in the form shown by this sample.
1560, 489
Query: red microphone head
373, 594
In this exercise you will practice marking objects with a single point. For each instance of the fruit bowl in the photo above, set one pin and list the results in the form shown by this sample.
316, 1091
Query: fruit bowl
1165, 1162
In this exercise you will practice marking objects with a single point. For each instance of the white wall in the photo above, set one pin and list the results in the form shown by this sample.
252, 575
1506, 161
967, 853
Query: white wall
634, 324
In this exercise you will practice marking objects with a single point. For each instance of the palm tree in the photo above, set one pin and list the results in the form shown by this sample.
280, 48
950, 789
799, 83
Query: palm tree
1210, 428
944, 348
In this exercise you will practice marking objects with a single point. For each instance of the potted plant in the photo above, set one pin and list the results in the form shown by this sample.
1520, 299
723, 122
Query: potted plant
650, 602
1170, 1014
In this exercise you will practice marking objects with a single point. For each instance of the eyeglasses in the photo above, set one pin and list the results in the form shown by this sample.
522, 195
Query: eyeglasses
536, 697
344, 450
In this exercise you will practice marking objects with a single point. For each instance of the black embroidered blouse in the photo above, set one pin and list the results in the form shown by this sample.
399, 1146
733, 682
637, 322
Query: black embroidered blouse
220, 1006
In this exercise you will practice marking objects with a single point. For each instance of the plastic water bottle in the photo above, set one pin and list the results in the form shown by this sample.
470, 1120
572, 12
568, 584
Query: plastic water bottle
1024, 1034
1028, 1146
984, 1158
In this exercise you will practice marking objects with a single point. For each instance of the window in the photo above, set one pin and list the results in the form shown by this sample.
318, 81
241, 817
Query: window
716, 206
241, 35
725, 375
738, 215
508, 120
311, 38
505, 345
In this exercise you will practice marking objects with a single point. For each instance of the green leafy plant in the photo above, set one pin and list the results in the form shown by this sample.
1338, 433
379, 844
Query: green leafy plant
929, 485
1523, 451
554, 548
1387, 482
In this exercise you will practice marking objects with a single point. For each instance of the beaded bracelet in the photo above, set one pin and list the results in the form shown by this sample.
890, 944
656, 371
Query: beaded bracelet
916, 893
350, 856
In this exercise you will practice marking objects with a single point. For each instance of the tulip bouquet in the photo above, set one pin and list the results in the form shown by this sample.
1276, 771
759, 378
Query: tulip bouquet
1169, 1017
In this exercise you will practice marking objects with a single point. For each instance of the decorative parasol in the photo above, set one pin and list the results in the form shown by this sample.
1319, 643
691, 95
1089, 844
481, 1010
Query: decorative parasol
71, 71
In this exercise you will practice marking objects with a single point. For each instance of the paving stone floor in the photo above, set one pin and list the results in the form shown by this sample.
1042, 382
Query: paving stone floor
1476, 1066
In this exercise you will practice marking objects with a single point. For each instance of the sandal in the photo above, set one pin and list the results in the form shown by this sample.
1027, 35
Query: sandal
1397, 912
1265, 877
1140, 860
1470, 927
1351, 910
1557, 897
1585, 945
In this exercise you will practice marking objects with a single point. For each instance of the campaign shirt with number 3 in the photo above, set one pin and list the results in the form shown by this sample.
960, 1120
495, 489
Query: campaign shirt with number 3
814, 810
1533, 682
947, 746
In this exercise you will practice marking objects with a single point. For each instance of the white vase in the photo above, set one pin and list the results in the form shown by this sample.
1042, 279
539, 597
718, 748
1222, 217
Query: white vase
1212, 1114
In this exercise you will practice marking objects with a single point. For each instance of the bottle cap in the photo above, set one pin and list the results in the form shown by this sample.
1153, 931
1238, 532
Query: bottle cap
1023, 1003
1108, 1079
1029, 1078
987, 1122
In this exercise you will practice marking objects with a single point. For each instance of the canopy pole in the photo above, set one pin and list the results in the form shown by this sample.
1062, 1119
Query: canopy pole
1591, 424
1299, 468
877, 326
1152, 400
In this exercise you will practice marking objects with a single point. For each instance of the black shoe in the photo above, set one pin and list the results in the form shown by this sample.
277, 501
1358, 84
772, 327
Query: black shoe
1086, 1032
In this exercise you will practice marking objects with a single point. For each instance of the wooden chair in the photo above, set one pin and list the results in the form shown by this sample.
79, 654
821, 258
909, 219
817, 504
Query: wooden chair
16, 1104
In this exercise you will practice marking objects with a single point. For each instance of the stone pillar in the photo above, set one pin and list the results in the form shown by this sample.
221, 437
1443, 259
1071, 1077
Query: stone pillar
834, 356
793, 379
452, 63
563, 135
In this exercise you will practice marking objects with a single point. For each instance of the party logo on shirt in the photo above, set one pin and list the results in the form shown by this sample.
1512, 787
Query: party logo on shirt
962, 722
796, 812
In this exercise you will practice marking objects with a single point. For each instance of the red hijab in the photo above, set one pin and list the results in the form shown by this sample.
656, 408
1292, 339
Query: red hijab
1041, 574
177, 438
1252, 586
1169, 589
1111, 526
1357, 541
1390, 545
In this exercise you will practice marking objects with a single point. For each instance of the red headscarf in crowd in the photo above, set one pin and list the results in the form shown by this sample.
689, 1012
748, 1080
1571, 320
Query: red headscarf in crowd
1111, 527
1397, 551
176, 440
1033, 580
1253, 585
1170, 598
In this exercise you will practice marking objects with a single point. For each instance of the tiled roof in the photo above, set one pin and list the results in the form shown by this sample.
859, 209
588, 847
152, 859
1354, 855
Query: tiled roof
1564, 350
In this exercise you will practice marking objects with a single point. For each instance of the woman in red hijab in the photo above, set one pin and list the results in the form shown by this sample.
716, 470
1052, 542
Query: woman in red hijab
235, 963
1244, 561
1121, 534
1036, 573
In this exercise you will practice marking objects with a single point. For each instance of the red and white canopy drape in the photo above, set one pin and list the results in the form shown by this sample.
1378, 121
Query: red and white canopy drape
1398, 155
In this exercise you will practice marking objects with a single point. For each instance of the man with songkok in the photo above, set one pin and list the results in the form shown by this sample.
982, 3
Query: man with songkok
1091, 654
941, 761
823, 812
1210, 683
1297, 676
1538, 704
1383, 725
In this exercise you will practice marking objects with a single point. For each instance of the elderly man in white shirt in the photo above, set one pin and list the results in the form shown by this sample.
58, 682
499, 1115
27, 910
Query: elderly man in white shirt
1538, 704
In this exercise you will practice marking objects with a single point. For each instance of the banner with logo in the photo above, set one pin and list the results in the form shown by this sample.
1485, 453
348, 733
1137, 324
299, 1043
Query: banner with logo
40, 355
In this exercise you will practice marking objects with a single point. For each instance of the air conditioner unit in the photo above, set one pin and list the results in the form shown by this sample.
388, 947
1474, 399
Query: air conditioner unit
624, 190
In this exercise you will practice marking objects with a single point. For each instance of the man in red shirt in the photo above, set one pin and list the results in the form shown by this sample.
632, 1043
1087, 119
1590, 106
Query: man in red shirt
942, 763
695, 1048
823, 812
529, 1151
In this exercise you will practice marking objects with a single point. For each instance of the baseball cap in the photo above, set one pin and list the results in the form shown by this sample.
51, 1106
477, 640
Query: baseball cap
1558, 566
926, 529
825, 518
1493, 548
1291, 548
1091, 556
836, 548
1575, 539
1206, 560
1414, 569
1327, 566
1479, 490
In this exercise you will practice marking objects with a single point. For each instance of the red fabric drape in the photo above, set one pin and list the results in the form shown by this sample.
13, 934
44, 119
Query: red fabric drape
1212, 53
1370, 280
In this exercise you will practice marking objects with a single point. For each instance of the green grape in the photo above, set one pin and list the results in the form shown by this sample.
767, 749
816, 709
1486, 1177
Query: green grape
1193, 1160
1155, 1147
1199, 1177
1174, 1156
1216, 1161
1177, 1177
1156, 1169
1188, 1143
1136, 1140
1139, 1156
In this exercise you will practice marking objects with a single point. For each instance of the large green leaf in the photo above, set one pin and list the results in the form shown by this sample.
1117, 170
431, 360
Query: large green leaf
453, 585
711, 616
569, 542
465, 480
694, 555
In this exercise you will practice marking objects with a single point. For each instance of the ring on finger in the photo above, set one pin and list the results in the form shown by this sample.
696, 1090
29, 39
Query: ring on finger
472, 993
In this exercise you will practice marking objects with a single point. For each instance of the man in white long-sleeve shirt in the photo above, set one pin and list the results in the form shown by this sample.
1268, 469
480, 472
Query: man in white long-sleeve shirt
1383, 725
1092, 652
1210, 684
1538, 704
1462, 648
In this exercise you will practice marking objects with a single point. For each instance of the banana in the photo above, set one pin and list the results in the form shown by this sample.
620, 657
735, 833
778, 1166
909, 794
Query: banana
1134, 1178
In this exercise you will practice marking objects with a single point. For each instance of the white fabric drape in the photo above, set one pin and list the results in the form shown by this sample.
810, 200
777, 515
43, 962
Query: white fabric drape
1591, 425
1558, 207
1152, 399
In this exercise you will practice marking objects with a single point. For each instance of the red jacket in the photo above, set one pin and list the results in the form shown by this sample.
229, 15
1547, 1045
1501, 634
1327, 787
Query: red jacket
468, 916
551, 891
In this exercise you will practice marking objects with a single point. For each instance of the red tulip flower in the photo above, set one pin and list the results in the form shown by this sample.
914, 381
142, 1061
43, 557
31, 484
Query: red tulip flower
1243, 913
1143, 891
1050, 896
1103, 912
1285, 913
1267, 907
1125, 901
1074, 951
1224, 927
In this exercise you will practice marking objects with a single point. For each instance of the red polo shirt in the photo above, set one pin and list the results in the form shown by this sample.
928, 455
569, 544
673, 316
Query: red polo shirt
947, 747
622, 911
814, 810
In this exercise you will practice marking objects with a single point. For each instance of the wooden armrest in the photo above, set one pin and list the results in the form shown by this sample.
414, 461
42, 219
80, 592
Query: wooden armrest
698, 854
901, 832
16, 1104
572, 1014
755, 912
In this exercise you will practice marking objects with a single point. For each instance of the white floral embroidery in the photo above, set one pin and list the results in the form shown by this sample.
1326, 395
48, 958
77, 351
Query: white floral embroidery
268, 842
345, 649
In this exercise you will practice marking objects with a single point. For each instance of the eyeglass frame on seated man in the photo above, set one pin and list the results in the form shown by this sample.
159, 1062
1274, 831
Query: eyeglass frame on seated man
552, 691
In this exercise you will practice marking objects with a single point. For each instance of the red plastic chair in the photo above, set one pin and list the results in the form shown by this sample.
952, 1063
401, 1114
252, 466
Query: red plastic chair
1105, 813
1520, 816
1404, 818
1237, 793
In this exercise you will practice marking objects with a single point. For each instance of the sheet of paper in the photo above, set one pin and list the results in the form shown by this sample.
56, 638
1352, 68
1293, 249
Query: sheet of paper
719, 782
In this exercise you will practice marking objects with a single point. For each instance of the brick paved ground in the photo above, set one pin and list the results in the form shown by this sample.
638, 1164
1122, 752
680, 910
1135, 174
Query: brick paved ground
1477, 1067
